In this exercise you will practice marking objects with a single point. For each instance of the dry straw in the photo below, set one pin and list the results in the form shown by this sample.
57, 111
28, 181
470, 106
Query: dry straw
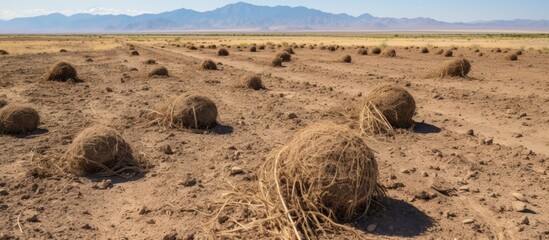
185, 112
100, 151
325, 177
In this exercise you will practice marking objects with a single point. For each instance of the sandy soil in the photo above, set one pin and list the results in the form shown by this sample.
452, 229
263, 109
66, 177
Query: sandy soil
444, 183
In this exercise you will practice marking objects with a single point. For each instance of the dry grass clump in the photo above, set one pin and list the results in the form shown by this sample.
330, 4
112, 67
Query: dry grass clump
63, 50
289, 50
150, 62
100, 151
189, 112
159, 72
261, 47
62, 71
222, 52
511, 57
424, 50
15, 119
448, 53
518, 52
285, 56
395, 103
253, 49
363, 51
3, 52
389, 53
453, 68
134, 53
498, 50
277, 62
331, 48
253, 82
324, 177
209, 65
346, 59
376, 50
439, 52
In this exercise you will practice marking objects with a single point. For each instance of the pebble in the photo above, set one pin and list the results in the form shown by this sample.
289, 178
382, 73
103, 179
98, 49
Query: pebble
471, 132
424, 174
519, 206
488, 141
519, 197
189, 182
292, 115
167, 150
468, 221
525, 220
236, 170
371, 227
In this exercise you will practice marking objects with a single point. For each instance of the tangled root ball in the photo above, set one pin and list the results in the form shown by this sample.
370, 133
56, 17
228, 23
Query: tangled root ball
62, 71
395, 103
222, 52
511, 57
363, 51
277, 62
448, 53
453, 68
15, 119
209, 65
285, 56
424, 50
346, 59
134, 53
325, 172
159, 72
389, 53
376, 50
101, 151
253, 49
191, 112
253, 82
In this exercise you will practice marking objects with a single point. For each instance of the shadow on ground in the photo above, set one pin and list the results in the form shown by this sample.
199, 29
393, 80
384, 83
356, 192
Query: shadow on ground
398, 219
426, 128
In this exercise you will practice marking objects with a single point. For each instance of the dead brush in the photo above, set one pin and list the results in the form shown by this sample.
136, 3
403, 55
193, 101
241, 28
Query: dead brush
100, 151
371, 120
324, 177
192, 112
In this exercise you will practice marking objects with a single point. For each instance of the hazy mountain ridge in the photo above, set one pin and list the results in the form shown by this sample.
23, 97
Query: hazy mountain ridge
246, 16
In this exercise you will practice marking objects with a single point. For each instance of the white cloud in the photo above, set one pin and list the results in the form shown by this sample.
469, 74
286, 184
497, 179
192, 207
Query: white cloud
6, 14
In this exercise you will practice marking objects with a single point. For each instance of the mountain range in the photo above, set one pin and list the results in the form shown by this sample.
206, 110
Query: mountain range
250, 18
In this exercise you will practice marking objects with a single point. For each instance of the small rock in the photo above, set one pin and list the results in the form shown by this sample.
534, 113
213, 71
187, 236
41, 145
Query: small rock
171, 236
151, 221
464, 188
471, 132
519, 196
519, 206
424, 174
292, 115
236, 170
525, 220
3, 192
167, 150
517, 135
488, 141
108, 89
468, 221
34, 218
371, 227
189, 182
144, 211
104, 184
222, 219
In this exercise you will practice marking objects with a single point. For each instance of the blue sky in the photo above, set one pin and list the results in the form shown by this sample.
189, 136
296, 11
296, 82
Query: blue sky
445, 10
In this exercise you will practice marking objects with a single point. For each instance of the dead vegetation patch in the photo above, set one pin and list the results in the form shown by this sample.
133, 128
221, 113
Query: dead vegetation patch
324, 177
62, 71
159, 72
252, 82
285, 56
222, 52
186, 112
18, 119
208, 64
453, 68
100, 151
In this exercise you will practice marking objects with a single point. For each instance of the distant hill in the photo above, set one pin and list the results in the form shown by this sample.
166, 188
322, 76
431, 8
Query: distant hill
244, 16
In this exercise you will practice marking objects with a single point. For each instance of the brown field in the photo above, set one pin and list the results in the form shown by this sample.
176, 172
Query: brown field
444, 181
